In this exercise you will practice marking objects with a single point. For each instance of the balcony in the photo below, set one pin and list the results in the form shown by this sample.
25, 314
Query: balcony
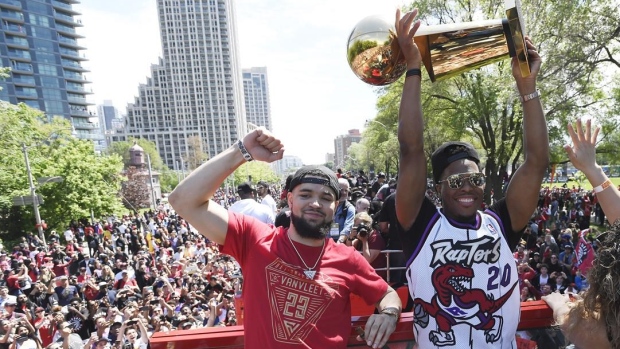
73, 54
21, 67
85, 126
12, 15
16, 41
20, 55
27, 94
70, 42
14, 29
78, 100
68, 31
78, 89
11, 4
23, 80
72, 76
79, 112
66, 19
64, 7
90, 136
73, 65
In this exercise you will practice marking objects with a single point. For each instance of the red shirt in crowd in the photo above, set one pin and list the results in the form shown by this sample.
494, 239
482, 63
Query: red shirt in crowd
293, 309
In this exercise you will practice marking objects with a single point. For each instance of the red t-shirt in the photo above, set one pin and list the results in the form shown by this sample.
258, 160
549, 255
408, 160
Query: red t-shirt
45, 332
286, 309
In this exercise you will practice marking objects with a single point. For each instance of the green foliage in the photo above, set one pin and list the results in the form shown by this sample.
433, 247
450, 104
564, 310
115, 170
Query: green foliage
168, 178
5, 72
90, 181
258, 170
481, 106
359, 47
122, 149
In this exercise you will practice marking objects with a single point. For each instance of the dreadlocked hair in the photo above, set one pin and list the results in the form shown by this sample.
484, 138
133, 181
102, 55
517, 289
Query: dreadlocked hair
602, 300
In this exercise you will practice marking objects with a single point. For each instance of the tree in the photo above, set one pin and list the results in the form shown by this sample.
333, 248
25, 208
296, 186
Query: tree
194, 156
168, 178
481, 106
90, 182
257, 170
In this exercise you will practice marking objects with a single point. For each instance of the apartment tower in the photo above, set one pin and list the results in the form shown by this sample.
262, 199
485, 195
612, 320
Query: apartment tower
256, 94
39, 43
195, 90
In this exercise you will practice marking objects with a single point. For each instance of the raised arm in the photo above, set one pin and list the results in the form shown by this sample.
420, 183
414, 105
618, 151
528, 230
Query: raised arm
524, 187
583, 156
412, 171
192, 197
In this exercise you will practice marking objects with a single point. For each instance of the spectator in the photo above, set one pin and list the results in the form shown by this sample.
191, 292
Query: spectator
264, 193
248, 206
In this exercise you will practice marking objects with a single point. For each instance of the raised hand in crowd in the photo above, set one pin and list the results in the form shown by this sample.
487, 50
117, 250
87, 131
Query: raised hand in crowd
582, 155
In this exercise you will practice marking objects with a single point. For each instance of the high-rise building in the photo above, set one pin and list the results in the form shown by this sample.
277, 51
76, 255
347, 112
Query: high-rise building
107, 118
342, 144
256, 93
107, 112
195, 90
287, 165
39, 43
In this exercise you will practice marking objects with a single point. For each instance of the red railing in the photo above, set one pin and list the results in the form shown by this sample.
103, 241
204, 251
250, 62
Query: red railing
534, 315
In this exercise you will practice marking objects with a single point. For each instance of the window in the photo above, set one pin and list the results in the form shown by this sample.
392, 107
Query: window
38, 7
43, 45
41, 32
48, 69
39, 20
48, 81
54, 107
49, 93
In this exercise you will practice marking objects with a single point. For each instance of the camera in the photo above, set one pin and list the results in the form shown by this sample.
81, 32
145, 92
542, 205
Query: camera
363, 230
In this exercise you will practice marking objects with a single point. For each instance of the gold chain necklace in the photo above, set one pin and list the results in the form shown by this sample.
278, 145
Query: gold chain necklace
309, 272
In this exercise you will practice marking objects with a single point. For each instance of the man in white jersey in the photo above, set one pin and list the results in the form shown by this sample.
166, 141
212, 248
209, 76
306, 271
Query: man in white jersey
472, 299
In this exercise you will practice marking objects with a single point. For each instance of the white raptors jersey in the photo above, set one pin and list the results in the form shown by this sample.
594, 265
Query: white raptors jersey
463, 280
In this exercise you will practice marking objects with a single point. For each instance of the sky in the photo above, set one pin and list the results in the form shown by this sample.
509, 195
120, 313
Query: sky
313, 93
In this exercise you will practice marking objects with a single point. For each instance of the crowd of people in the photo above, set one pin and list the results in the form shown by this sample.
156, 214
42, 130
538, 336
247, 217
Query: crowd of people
115, 283
305, 250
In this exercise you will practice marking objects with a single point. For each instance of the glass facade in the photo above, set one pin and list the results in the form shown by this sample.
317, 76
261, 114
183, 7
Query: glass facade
39, 42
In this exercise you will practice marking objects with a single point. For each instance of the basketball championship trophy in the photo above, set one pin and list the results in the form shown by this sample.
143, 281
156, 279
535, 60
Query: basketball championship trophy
447, 50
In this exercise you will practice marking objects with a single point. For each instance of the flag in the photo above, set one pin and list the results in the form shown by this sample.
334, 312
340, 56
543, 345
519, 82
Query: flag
584, 253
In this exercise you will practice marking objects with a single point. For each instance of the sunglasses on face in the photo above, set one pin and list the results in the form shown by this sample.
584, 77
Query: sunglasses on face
457, 181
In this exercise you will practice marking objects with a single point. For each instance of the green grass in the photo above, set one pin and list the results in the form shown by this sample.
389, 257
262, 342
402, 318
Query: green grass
584, 184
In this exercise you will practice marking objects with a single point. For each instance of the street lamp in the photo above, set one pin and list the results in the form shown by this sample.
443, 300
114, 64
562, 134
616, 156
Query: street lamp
35, 200
33, 194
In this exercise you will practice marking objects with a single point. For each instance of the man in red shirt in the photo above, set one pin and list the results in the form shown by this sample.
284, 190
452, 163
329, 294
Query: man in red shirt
300, 280
43, 325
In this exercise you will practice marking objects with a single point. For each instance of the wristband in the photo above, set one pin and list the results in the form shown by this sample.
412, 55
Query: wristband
530, 96
392, 311
603, 186
414, 71
246, 154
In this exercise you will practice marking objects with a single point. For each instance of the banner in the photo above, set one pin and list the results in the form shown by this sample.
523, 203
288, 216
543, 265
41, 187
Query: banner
584, 253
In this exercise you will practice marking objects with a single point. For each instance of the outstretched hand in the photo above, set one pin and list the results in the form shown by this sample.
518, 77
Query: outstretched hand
405, 32
583, 152
263, 146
